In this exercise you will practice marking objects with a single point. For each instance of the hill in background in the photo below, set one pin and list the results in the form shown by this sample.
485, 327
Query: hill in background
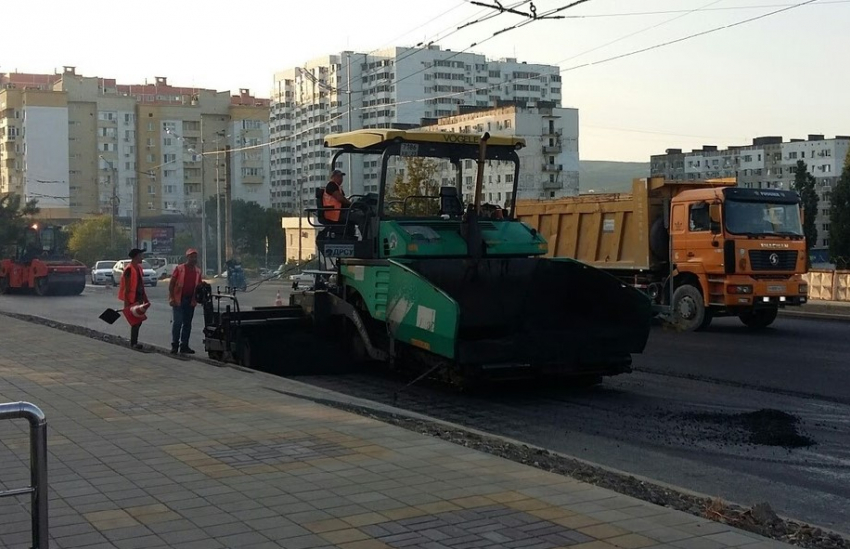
602, 176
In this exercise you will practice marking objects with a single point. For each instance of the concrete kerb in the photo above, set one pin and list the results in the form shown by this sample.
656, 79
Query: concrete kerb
327, 397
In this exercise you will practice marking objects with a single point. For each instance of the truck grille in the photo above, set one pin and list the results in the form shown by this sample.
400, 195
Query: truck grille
773, 260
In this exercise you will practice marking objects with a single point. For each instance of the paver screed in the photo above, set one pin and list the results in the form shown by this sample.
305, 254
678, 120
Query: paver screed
150, 452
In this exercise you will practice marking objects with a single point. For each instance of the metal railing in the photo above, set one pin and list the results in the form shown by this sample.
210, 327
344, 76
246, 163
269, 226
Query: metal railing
38, 467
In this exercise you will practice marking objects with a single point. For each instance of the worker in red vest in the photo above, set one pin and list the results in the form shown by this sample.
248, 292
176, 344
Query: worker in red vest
131, 291
181, 296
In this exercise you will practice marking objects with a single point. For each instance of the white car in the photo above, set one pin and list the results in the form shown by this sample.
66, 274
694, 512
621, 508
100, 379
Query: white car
101, 273
148, 274
302, 278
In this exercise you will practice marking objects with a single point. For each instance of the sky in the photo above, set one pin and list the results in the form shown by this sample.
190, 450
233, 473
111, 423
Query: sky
784, 74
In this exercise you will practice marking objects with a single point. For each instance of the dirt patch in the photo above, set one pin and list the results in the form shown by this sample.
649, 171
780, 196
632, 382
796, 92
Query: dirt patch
763, 427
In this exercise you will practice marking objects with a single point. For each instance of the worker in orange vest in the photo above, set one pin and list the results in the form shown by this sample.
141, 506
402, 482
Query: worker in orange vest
131, 291
334, 197
181, 296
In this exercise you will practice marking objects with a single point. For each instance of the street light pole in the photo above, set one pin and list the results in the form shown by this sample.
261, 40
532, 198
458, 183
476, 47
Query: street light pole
203, 204
217, 210
111, 203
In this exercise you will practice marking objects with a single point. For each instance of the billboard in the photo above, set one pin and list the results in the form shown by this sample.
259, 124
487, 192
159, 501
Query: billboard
156, 240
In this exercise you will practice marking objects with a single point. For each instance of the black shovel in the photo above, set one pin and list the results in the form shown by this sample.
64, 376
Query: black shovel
110, 316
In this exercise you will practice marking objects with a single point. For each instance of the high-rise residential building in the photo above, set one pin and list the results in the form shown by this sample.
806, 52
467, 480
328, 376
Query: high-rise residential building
549, 163
768, 163
86, 145
397, 87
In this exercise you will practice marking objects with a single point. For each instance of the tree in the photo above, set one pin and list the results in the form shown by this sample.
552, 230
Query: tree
253, 225
12, 218
839, 219
91, 240
804, 183
419, 179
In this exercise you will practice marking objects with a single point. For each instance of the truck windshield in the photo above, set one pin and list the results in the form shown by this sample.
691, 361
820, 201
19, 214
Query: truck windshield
763, 218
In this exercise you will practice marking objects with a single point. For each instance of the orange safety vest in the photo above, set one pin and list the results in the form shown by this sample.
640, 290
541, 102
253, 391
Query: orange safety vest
179, 277
135, 279
130, 292
329, 201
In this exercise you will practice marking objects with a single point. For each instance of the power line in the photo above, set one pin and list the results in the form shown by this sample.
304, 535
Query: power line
685, 14
525, 79
667, 12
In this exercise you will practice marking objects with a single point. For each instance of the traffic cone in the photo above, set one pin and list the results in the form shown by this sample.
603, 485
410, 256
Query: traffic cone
278, 302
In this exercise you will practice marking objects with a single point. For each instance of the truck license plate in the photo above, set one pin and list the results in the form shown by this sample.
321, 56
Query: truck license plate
780, 288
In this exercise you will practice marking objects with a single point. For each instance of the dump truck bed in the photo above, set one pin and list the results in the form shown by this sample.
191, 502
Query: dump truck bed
617, 231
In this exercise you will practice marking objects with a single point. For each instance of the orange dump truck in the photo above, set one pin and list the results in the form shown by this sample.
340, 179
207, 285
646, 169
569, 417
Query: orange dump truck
699, 249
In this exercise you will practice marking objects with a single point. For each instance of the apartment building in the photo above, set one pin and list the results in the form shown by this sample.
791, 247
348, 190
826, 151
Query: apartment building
768, 163
86, 145
397, 87
549, 163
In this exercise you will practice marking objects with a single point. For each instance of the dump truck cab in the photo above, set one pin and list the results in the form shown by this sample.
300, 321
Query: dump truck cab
744, 249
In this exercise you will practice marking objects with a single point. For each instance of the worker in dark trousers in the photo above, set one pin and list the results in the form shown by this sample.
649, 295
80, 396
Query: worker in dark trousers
181, 296
131, 291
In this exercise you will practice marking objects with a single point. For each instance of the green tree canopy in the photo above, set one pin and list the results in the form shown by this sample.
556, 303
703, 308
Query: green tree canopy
13, 214
839, 219
804, 184
419, 179
91, 240
252, 225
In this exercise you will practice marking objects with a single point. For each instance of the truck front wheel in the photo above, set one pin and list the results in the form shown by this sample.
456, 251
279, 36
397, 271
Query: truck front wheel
689, 309
758, 318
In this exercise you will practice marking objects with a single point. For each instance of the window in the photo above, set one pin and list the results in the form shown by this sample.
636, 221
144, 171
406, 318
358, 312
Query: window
151, 189
699, 220
169, 189
167, 141
151, 126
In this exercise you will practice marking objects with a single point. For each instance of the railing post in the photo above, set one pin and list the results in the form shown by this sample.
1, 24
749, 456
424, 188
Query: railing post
38, 467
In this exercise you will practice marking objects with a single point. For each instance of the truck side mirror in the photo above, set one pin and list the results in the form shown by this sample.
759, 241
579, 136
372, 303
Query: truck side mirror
714, 215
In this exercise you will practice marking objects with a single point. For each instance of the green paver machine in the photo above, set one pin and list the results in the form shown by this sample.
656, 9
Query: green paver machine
413, 278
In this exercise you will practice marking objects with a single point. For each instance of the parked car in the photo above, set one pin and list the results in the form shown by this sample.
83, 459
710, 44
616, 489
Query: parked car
101, 273
302, 278
148, 274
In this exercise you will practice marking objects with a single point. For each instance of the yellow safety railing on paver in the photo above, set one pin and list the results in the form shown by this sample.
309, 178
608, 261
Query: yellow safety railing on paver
38, 467
825, 285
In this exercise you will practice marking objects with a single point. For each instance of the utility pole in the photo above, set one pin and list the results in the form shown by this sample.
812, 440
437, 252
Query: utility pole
228, 204
112, 202
203, 205
218, 210
348, 87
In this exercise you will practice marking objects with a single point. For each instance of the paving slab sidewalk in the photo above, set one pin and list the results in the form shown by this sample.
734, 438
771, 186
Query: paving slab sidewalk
150, 452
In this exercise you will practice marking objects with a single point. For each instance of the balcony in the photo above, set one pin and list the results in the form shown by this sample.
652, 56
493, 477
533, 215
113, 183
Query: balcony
553, 185
552, 149
553, 168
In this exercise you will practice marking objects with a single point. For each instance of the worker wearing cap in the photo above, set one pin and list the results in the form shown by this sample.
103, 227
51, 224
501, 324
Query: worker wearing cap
181, 296
334, 197
131, 291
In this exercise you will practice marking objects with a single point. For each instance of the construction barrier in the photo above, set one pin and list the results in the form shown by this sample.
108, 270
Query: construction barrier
827, 285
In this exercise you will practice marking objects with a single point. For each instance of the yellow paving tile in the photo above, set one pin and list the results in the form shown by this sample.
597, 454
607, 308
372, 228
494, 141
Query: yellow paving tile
505, 497
108, 520
344, 536
403, 513
593, 545
147, 509
576, 521
438, 507
365, 544
328, 525
473, 501
632, 541
367, 519
156, 518
603, 531
551, 513
527, 504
